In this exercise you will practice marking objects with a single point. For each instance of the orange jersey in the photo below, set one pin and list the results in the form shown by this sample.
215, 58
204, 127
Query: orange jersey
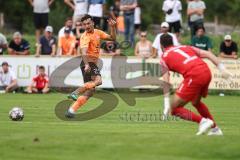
91, 41
66, 43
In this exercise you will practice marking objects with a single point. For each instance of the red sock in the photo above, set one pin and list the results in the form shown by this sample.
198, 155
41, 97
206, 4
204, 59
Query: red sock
186, 114
203, 110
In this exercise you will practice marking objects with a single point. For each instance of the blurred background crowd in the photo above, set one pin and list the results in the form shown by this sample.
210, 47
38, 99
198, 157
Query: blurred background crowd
54, 28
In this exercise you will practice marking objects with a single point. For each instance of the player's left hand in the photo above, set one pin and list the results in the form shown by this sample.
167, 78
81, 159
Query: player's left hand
112, 22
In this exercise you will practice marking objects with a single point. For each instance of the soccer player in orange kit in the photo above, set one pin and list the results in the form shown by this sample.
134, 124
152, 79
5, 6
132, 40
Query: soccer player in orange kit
90, 48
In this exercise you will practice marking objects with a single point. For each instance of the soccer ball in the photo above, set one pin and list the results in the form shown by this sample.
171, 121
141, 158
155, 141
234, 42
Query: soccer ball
16, 114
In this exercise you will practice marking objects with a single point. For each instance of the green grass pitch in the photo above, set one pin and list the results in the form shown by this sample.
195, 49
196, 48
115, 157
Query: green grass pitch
41, 136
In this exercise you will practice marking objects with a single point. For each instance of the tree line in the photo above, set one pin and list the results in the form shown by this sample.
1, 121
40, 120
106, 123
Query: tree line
18, 13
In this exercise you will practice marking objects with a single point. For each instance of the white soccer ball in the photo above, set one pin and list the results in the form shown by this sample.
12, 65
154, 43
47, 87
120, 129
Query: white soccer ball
16, 114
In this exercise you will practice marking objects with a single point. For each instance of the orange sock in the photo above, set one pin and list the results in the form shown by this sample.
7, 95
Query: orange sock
89, 85
80, 102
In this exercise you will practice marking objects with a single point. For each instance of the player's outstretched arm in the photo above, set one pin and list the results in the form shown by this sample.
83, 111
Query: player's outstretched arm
214, 60
112, 23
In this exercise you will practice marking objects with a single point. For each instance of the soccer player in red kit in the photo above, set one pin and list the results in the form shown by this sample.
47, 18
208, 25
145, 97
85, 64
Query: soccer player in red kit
187, 61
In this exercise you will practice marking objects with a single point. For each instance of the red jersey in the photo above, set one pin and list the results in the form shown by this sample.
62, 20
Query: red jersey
40, 81
182, 59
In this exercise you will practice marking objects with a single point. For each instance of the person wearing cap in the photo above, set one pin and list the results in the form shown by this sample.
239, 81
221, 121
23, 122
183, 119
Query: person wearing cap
201, 41
157, 50
47, 43
66, 44
18, 46
228, 48
8, 80
143, 48
3, 43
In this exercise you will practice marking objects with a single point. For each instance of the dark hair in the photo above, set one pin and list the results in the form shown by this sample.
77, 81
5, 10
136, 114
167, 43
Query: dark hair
41, 67
201, 27
68, 19
166, 40
85, 17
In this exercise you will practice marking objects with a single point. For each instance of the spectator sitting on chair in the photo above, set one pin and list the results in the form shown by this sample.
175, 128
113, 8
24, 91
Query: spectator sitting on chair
228, 48
66, 44
157, 50
3, 43
47, 43
39, 83
143, 48
68, 24
18, 46
200, 40
110, 48
8, 80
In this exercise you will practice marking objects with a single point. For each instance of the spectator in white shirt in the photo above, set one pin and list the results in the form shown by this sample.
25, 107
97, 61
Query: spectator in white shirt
40, 10
172, 9
157, 50
68, 24
3, 43
8, 80
80, 8
137, 19
96, 9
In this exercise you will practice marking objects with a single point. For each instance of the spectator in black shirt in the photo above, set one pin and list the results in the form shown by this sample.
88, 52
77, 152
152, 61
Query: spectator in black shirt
228, 48
78, 31
18, 46
47, 43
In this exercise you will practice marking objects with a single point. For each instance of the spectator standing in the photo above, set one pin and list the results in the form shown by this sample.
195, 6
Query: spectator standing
80, 8
200, 40
18, 46
115, 9
196, 10
172, 9
143, 48
3, 43
128, 7
110, 48
228, 48
157, 50
8, 80
40, 11
137, 19
68, 24
66, 44
39, 83
47, 43
96, 10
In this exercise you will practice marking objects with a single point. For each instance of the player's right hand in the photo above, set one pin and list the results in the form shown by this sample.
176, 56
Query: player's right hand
87, 68
227, 75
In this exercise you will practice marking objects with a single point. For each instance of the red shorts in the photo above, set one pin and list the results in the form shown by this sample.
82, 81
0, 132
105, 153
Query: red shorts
195, 84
